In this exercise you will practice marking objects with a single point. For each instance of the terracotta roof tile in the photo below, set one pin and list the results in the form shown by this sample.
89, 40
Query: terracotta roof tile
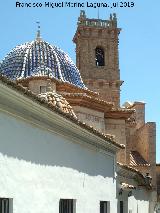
136, 171
127, 186
59, 84
129, 168
119, 113
58, 101
50, 106
84, 95
136, 159
83, 99
123, 110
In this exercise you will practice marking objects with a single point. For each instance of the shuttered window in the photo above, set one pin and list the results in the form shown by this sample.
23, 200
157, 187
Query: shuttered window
104, 207
121, 207
4, 205
66, 206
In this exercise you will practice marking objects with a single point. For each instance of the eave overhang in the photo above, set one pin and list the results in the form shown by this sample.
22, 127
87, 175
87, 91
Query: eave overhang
61, 86
80, 99
19, 101
119, 113
129, 172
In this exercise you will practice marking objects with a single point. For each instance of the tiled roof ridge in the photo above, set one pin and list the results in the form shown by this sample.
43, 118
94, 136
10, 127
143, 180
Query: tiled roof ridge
136, 159
57, 100
85, 96
59, 82
125, 166
128, 186
120, 109
50, 106
130, 168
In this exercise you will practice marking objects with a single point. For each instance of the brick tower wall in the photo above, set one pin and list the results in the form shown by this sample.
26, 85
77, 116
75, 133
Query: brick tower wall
90, 34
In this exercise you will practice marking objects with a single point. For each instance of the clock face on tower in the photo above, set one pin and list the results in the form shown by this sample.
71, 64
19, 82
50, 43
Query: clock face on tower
99, 57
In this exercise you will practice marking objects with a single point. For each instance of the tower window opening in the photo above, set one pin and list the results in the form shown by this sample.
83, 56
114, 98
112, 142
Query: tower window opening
99, 53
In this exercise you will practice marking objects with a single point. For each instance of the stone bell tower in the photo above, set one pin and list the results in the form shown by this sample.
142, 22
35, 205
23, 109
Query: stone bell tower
97, 55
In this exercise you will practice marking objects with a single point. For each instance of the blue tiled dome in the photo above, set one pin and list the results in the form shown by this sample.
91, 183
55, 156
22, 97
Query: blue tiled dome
40, 58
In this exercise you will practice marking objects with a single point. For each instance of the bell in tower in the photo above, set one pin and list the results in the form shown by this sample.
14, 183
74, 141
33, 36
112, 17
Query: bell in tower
97, 55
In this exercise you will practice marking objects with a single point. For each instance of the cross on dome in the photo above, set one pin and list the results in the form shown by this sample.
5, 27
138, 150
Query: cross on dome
38, 36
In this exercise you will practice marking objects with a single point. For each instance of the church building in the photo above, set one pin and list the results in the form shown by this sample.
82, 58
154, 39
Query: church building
67, 145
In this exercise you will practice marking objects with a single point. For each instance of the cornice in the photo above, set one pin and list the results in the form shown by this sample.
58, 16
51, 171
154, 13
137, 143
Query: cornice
90, 102
61, 86
119, 113
129, 172
41, 114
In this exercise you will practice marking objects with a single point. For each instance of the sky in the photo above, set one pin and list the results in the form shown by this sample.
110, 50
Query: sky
139, 41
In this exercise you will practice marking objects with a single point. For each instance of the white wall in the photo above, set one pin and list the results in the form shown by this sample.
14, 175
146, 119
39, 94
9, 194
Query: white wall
137, 203
157, 207
38, 168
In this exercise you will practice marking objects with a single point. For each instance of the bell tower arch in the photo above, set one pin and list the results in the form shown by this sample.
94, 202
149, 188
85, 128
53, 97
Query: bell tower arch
97, 55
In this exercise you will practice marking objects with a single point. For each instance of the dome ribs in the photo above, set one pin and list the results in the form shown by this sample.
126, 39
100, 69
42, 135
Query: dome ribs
39, 58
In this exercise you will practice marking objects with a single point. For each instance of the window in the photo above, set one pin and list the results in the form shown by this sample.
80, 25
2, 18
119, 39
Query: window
104, 207
66, 206
99, 55
4, 205
43, 89
121, 206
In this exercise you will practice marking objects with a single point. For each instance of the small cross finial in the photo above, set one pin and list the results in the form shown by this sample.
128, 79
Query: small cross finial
38, 37
98, 12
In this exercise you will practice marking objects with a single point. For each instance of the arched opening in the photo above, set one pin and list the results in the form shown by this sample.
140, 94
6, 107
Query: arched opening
99, 56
